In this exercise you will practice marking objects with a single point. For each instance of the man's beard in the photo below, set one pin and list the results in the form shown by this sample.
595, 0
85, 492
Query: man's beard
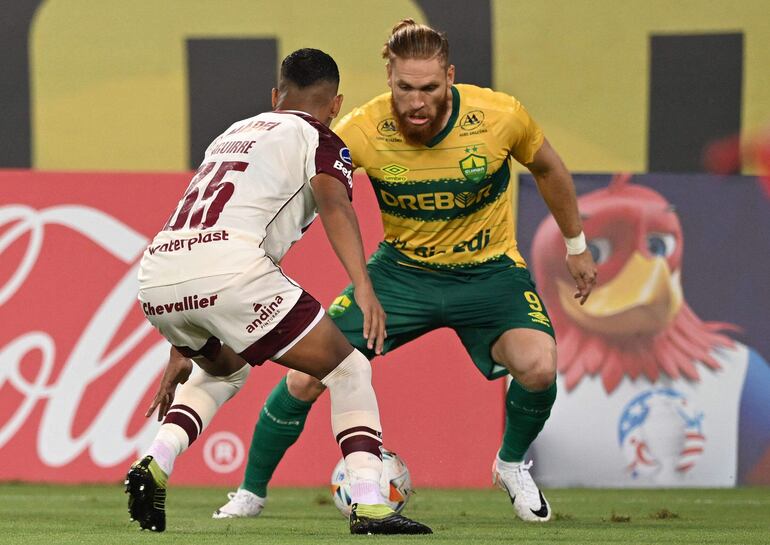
419, 135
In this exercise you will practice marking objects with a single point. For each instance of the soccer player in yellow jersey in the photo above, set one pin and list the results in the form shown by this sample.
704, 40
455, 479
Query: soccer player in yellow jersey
438, 156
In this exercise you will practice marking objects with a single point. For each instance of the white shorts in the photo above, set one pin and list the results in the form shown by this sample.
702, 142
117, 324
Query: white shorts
259, 313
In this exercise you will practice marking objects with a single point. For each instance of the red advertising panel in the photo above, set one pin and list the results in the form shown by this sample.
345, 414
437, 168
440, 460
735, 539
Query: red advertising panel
79, 363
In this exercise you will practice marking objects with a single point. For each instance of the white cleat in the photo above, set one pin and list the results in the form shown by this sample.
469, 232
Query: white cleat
242, 504
528, 502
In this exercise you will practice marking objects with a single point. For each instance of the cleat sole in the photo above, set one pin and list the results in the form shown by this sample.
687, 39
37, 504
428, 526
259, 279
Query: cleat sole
145, 499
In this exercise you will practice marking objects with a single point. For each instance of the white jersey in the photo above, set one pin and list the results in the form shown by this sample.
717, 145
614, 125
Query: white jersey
250, 197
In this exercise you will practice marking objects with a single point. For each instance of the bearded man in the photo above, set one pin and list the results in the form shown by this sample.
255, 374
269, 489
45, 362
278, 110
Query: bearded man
439, 159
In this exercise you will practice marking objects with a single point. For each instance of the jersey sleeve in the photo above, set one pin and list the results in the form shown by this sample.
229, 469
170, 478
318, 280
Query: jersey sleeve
526, 135
332, 157
353, 136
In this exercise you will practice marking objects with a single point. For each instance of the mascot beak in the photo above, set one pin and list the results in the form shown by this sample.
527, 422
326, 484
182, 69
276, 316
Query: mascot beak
642, 299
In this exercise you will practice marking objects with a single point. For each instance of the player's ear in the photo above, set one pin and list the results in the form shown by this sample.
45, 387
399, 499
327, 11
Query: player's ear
337, 105
389, 71
450, 75
274, 97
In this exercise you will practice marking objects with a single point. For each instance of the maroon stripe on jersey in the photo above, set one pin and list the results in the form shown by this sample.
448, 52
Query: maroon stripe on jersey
329, 155
361, 443
358, 429
188, 420
210, 350
296, 320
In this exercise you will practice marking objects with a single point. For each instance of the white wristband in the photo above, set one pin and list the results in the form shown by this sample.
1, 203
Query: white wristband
576, 245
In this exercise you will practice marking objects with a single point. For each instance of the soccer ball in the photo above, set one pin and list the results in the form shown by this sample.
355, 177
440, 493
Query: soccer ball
395, 483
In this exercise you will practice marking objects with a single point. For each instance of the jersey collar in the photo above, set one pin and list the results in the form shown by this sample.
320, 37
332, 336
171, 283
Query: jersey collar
452, 118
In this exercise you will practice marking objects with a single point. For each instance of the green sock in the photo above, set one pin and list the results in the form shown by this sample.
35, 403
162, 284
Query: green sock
525, 415
280, 424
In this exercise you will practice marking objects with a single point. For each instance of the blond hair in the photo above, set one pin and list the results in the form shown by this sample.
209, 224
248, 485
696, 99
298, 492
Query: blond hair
410, 40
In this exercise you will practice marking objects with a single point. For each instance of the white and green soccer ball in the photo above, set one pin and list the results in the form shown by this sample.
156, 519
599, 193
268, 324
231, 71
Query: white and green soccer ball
395, 483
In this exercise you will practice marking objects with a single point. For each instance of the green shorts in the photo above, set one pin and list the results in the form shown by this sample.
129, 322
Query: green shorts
479, 306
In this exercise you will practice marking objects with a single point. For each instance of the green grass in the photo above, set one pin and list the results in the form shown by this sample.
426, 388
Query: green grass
90, 514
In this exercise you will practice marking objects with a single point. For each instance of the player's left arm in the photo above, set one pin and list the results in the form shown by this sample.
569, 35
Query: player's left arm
558, 191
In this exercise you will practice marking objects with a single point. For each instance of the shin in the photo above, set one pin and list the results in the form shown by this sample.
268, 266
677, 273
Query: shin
195, 404
356, 425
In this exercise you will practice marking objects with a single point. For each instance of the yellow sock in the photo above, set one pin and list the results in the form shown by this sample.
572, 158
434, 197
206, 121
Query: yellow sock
376, 511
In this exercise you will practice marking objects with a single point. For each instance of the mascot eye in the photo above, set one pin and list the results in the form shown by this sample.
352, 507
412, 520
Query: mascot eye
600, 249
661, 244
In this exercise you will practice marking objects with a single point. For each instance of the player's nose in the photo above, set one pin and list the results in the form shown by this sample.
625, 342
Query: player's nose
416, 102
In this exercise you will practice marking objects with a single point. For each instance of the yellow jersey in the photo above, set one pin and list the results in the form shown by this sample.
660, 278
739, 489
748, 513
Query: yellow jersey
447, 205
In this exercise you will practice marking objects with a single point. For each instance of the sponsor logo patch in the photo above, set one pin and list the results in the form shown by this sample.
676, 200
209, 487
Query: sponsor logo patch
266, 314
338, 306
347, 172
189, 243
387, 127
472, 120
188, 302
439, 200
394, 173
345, 156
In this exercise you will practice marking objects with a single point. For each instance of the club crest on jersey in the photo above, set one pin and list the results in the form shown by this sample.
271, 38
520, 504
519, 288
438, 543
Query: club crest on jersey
345, 156
387, 127
660, 434
338, 306
394, 173
473, 166
472, 120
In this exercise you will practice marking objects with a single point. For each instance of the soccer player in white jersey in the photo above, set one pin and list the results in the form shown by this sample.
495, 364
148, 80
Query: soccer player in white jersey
210, 284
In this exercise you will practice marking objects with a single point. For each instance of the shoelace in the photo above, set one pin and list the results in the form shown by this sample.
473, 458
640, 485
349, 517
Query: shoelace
242, 498
527, 483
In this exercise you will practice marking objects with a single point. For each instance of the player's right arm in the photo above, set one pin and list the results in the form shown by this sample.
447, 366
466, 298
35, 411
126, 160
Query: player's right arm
341, 225
177, 372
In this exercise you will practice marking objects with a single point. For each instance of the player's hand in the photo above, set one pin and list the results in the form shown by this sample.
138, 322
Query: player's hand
374, 317
583, 271
177, 371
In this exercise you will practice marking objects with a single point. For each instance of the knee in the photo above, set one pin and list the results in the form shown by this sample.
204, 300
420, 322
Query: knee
540, 369
532, 365
303, 386
237, 379
538, 379
354, 369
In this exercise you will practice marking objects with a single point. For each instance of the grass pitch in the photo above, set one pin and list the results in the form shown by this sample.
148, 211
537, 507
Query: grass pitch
90, 514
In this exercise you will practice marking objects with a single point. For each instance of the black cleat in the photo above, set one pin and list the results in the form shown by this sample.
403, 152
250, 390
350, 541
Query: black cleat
390, 523
146, 489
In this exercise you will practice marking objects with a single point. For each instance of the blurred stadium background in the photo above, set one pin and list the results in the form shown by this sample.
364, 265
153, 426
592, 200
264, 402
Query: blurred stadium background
106, 106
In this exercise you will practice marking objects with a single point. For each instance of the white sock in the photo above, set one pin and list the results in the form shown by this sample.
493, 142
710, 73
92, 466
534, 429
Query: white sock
356, 425
195, 404
170, 442
365, 492
364, 470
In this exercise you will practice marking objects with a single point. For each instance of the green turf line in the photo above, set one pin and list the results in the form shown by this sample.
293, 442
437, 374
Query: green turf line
95, 514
